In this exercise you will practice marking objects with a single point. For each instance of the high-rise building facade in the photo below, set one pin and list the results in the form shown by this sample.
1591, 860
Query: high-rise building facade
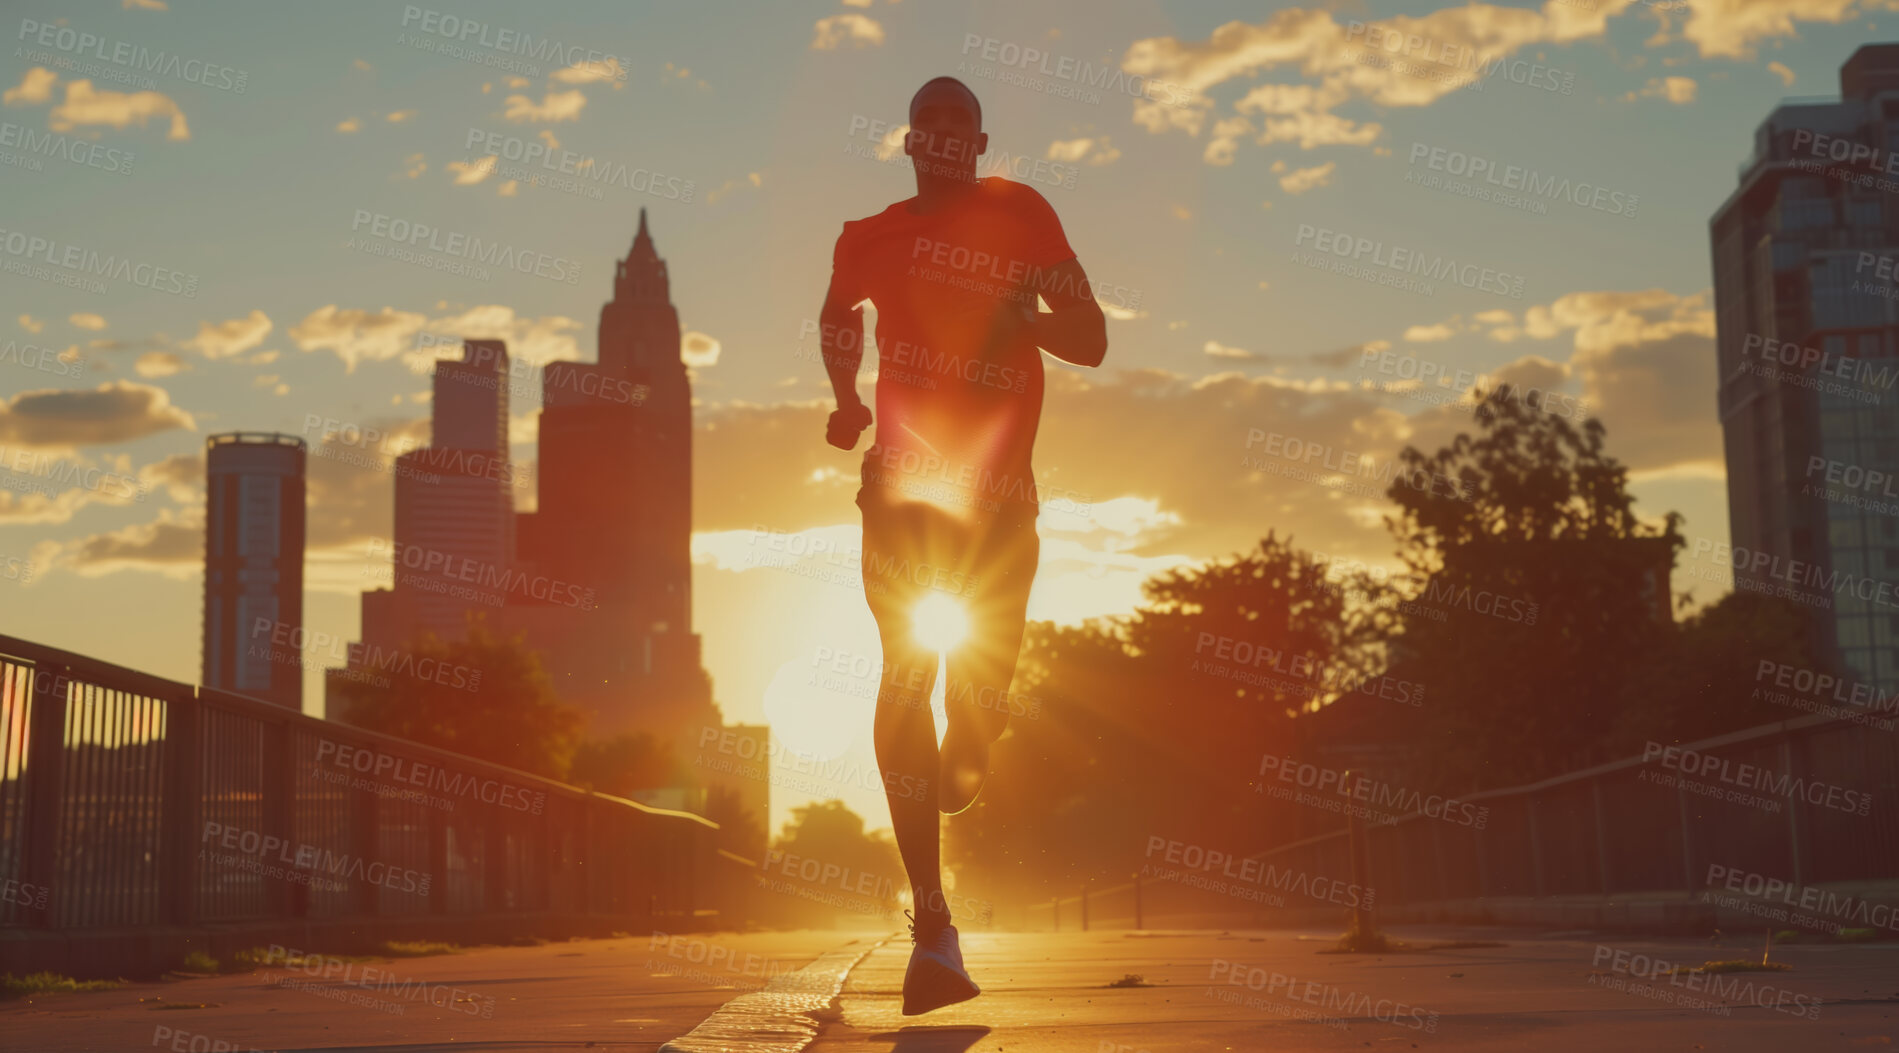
454, 525
1807, 323
615, 513
253, 566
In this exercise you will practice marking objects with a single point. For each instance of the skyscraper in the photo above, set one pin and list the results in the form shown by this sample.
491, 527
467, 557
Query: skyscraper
451, 548
454, 528
1806, 331
615, 513
253, 566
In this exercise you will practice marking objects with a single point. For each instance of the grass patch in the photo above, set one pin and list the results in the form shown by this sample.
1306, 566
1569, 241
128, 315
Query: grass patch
418, 948
48, 983
1356, 942
197, 962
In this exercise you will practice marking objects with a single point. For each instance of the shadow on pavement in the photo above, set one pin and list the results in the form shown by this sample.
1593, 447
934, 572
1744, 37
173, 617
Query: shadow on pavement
932, 1039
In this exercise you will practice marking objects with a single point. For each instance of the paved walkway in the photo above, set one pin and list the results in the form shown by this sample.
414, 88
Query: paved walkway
1044, 993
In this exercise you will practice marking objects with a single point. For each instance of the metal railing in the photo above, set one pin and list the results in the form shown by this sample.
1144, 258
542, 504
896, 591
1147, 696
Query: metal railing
1780, 802
127, 800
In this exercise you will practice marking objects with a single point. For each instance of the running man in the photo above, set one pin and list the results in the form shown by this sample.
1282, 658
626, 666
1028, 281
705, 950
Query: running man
948, 494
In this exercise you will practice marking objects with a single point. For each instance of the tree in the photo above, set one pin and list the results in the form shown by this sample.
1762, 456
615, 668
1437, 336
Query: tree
481, 697
624, 764
1154, 725
1535, 590
824, 855
1707, 682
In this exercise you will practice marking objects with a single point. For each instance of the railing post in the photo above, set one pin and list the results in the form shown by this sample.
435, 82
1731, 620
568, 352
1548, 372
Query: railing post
278, 785
494, 862
365, 833
1602, 838
439, 831
45, 778
1359, 845
1536, 846
1796, 841
1687, 840
180, 833
1483, 862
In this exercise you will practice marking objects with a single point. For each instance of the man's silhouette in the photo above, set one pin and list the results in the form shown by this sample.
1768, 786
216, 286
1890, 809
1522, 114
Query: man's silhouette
948, 495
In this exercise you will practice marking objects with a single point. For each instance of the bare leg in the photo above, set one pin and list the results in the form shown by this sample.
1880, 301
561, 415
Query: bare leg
982, 670
906, 752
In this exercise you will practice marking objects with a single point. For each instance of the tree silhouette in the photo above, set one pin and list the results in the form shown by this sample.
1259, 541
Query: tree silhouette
624, 764
1535, 590
481, 697
1155, 724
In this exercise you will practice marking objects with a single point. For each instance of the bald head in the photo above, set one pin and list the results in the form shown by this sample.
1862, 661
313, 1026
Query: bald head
946, 92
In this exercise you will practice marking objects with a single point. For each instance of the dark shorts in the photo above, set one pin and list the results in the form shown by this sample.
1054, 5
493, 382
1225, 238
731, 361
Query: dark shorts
982, 555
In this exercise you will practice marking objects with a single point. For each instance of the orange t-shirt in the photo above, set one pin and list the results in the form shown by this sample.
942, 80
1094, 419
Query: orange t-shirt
959, 385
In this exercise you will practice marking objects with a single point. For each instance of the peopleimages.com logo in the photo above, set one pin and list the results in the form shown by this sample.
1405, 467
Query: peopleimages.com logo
1399, 260
456, 245
1696, 764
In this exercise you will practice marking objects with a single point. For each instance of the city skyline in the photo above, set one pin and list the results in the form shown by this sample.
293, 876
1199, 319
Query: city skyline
1220, 332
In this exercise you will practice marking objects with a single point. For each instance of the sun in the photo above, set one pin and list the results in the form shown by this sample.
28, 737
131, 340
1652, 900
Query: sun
939, 622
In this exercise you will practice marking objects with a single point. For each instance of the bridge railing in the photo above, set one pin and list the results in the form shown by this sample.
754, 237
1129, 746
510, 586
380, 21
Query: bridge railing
1806, 802
128, 801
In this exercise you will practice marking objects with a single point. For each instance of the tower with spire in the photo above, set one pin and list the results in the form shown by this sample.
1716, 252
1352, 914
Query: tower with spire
614, 522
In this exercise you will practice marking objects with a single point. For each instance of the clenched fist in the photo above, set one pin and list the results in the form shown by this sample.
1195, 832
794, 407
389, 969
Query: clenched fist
846, 424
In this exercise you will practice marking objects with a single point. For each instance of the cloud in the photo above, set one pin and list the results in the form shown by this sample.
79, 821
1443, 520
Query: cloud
891, 145
1427, 334
509, 188
555, 106
357, 335
31, 324
355, 487
144, 5
725, 189
468, 173
856, 30
85, 106
169, 545
35, 87
87, 320
1732, 28
110, 413
153, 364
1678, 90
230, 337
348, 125
588, 72
398, 116
1779, 69
1094, 151
414, 165
1300, 180
1340, 64
1219, 350
537, 340
699, 350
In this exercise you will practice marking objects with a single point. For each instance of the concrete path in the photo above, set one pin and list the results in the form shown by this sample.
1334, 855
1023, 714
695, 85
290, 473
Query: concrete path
1043, 993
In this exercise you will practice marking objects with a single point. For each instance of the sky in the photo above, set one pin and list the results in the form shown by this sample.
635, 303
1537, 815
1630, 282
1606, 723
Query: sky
1290, 214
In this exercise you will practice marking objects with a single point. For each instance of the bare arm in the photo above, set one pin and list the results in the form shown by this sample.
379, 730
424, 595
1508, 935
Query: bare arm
1075, 331
841, 337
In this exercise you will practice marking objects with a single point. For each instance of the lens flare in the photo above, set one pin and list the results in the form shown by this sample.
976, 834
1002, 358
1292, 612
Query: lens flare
939, 623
